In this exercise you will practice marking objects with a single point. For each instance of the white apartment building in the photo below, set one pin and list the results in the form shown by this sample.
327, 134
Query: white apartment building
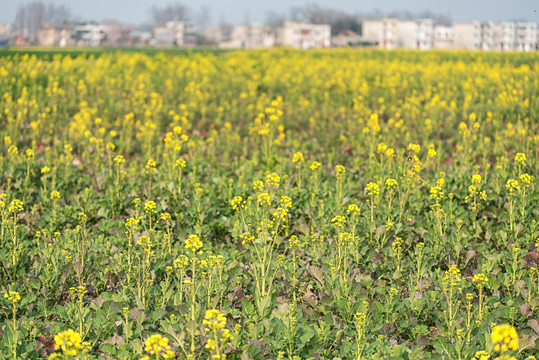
384, 32
443, 37
393, 33
304, 36
415, 34
175, 33
504, 36
474, 35
515, 36
250, 36
525, 36
467, 35
486, 35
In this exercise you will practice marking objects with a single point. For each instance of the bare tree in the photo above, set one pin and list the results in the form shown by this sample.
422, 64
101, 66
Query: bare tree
170, 12
30, 18
442, 19
58, 14
315, 14
274, 19
226, 30
203, 18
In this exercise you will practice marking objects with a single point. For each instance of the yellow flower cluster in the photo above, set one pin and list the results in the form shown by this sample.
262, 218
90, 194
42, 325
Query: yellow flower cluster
527, 179
281, 214
149, 207
157, 346
504, 337
237, 203
118, 160
298, 157
520, 158
214, 319
264, 199
258, 185
481, 355
338, 222
13, 297
15, 206
193, 242
391, 184
340, 170
437, 192
480, 280
414, 147
150, 166
476, 179
55, 195
69, 343
452, 276
353, 210
315, 165
372, 189
273, 180
512, 185
294, 243
286, 202
181, 163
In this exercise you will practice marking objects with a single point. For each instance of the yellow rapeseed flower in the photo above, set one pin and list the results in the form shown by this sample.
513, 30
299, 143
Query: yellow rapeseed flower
504, 337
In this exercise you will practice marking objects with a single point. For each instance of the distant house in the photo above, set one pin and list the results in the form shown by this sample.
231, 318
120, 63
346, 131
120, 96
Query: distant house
175, 33
304, 36
117, 35
250, 36
346, 38
141, 37
49, 35
21, 41
89, 34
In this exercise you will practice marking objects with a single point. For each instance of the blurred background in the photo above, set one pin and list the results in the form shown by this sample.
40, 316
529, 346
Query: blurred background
389, 24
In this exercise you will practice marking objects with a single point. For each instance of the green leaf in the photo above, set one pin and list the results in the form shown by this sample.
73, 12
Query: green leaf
264, 306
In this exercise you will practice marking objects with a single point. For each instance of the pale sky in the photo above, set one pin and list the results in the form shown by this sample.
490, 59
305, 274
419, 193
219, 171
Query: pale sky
237, 11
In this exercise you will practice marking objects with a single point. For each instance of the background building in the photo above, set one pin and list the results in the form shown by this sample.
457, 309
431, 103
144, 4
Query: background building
250, 36
346, 38
504, 36
443, 37
384, 32
467, 35
49, 35
304, 36
175, 33
5, 33
414, 34
525, 36
89, 34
